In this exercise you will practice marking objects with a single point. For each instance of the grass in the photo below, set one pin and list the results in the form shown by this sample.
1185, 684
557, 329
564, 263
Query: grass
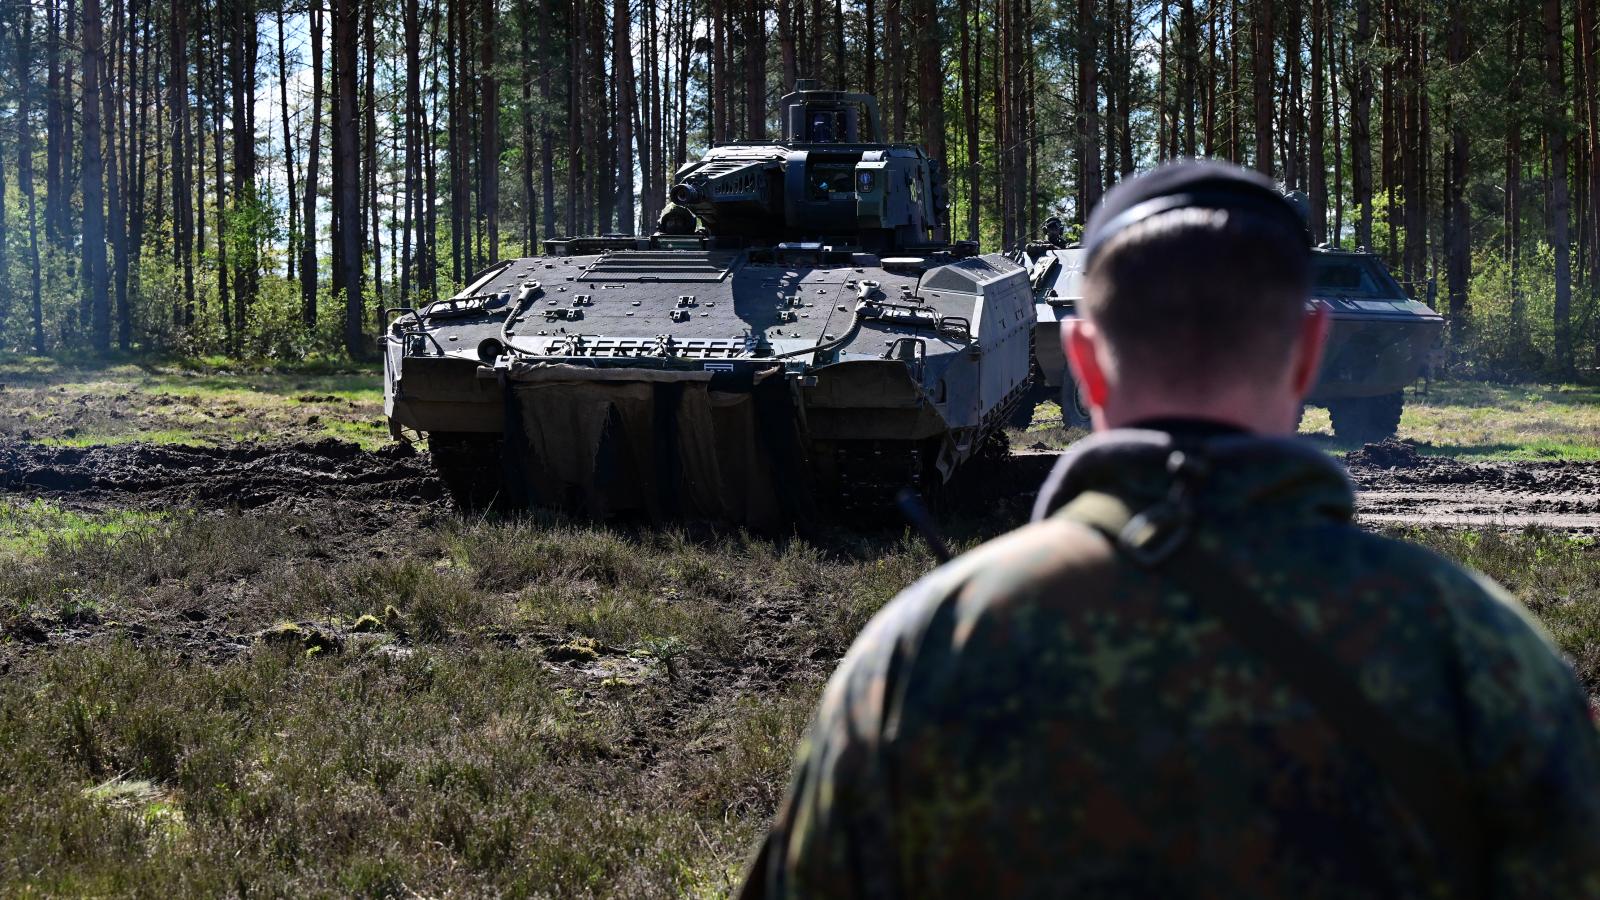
530, 708
478, 755
1467, 419
1486, 421
1557, 576
33, 526
376, 701
187, 402
519, 708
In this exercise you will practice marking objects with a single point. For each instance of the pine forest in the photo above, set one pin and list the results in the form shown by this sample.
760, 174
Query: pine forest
262, 178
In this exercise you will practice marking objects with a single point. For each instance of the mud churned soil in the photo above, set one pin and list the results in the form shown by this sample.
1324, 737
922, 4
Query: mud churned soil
244, 475
1397, 484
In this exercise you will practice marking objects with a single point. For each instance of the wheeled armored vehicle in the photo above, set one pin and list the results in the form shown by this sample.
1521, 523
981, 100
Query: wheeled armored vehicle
1380, 340
797, 335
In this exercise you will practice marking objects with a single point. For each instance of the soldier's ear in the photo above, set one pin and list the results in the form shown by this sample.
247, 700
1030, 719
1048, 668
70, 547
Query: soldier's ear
1080, 341
1308, 350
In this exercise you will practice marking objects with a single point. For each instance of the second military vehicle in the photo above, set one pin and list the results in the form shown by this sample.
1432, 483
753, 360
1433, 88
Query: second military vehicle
797, 333
1380, 339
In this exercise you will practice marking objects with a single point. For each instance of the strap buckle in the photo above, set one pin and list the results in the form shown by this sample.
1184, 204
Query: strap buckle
1156, 533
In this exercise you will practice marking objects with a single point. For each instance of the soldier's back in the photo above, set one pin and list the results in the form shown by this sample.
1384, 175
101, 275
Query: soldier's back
1046, 718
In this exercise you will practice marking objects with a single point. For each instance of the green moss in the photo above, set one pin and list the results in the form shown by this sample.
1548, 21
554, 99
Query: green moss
579, 649
367, 624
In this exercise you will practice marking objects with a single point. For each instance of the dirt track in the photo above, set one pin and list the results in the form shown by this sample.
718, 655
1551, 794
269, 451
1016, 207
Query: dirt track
246, 475
1396, 484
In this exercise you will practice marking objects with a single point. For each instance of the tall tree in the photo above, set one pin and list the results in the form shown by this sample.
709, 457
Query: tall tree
1088, 111
1457, 238
1360, 89
308, 213
1560, 206
346, 155
1317, 177
622, 72
489, 145
243, 52
22, 47
94, 214
1263, 58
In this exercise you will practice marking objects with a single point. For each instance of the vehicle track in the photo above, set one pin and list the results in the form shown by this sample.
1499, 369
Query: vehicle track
1395, 483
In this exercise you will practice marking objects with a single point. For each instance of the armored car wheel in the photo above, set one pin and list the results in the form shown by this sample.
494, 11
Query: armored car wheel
1366, 419
470, 467
1074, 405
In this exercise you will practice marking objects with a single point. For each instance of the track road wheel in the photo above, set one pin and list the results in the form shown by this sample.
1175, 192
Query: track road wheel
1074, 405
470, 467
1365, 420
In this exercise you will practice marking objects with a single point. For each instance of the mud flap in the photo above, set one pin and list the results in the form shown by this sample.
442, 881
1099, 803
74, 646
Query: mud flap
658, 444
513, 453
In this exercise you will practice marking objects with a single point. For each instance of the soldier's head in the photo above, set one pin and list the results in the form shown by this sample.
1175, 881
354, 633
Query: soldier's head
1195, 302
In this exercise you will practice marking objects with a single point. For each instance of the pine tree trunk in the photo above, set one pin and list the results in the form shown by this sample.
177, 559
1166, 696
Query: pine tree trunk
1088, 110
293, 196
969, 115
489, 144
622, 67
547, 137
242, 71
1261, 58
930, 79
1360, 74
1457, 237
529, 201
1560, 211
94, 213
346, 156
893, 48
54, 117
22, 46
116, 223
308, 212
1317, 181
411, 24
182, 209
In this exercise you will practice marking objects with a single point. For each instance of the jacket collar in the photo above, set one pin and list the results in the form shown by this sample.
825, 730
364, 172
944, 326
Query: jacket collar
1249, 475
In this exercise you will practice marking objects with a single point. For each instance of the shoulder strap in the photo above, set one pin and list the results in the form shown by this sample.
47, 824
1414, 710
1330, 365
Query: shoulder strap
1431, 781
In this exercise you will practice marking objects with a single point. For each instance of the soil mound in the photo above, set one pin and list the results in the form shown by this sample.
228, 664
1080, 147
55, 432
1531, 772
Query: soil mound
1388, 453
246, 475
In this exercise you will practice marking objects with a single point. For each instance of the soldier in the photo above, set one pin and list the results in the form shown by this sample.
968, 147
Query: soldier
1192, 675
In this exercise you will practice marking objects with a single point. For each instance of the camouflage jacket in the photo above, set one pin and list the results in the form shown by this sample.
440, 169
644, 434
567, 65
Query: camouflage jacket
1042, 718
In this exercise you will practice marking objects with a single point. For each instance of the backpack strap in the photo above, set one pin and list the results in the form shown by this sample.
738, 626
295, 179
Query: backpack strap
1430, 781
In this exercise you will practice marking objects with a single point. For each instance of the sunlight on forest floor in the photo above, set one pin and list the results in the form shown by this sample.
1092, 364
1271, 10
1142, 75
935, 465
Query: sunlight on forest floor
1454, 418
209, 402
48, 402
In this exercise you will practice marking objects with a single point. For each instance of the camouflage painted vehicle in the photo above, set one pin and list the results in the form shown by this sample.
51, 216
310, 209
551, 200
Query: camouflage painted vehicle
1380, 341
797, 333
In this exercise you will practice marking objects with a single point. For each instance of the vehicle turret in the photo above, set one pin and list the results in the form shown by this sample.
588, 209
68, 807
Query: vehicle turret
795, 337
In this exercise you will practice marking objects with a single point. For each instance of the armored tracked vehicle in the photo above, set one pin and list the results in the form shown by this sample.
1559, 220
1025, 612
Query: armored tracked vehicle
1380, 340
797, 335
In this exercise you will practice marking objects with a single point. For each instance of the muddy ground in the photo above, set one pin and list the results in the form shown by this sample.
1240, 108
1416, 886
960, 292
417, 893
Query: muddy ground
300, 639
339, 502
1396, 483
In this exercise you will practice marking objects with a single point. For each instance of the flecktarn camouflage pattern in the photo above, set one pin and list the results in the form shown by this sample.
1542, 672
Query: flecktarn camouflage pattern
1041, 718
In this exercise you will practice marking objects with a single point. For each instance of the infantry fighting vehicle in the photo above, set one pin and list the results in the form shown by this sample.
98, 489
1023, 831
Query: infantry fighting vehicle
797, 333
1380, 340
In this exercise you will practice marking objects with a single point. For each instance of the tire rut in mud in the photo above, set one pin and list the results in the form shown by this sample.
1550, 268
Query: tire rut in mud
1398, 484
244, 475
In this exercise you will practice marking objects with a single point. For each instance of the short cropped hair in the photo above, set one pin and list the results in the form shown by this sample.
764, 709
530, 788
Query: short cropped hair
1194, 297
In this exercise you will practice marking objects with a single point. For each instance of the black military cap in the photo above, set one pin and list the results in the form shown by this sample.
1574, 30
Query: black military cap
1203, 184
